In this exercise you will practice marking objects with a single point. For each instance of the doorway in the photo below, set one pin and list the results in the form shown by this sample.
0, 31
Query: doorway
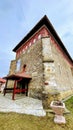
23, 86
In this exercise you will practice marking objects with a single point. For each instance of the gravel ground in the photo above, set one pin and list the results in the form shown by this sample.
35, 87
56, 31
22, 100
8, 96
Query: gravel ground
22, 104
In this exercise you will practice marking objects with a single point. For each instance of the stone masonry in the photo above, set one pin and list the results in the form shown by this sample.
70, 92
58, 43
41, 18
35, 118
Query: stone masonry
47, 63
49, 70
34, 66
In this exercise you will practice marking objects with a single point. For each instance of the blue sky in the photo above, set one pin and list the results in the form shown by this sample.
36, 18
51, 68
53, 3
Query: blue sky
18, 17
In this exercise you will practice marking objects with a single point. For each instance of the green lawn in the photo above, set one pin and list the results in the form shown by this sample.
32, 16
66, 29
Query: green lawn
14, 121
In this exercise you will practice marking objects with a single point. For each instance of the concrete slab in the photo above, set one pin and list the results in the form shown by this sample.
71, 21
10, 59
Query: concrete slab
22, 104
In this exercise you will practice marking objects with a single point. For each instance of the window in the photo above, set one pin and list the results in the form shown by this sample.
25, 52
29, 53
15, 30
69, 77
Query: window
18, 63
34, 40
39, 37
24, 68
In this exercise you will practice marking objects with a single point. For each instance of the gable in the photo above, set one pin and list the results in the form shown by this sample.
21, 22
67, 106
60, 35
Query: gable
42, 29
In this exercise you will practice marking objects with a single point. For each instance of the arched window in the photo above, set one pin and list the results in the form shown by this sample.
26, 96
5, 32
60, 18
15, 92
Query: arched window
24, 68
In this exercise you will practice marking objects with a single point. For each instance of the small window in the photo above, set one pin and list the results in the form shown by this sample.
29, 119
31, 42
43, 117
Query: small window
24, 67
26, 47
30, 44
34, 40
18, 63
39, 37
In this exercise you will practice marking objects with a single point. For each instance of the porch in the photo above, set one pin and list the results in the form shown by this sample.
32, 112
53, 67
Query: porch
21, 81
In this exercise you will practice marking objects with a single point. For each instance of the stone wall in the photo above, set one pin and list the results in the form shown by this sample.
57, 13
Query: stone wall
12, 67
57, 71
50, 71
63, 74
33, 60
72, 70
58, 78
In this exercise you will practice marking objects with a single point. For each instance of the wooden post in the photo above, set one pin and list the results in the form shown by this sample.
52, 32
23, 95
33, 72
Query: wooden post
5, 87
14, 90
26, 89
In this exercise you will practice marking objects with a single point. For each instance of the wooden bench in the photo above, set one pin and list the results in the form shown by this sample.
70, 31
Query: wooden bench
8, 90
15, 91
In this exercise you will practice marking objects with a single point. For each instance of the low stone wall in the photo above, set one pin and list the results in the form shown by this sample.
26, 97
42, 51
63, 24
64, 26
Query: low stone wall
66, 94
48, 97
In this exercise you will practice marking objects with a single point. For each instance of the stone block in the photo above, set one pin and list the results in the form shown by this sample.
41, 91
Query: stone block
46, 49
59, 119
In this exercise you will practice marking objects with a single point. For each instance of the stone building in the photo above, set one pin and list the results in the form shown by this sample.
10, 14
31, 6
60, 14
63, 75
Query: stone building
47, 61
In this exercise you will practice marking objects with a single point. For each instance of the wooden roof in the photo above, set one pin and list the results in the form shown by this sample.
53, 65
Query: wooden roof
44, 21
18, 76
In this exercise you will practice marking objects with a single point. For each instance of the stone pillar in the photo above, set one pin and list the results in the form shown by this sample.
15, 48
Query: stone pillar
50, 84
46, 50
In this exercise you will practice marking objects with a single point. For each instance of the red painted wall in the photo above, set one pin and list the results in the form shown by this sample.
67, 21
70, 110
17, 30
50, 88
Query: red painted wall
41, 33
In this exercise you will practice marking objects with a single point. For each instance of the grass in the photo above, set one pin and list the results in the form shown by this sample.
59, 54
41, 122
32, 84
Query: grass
14, 121
69, 104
